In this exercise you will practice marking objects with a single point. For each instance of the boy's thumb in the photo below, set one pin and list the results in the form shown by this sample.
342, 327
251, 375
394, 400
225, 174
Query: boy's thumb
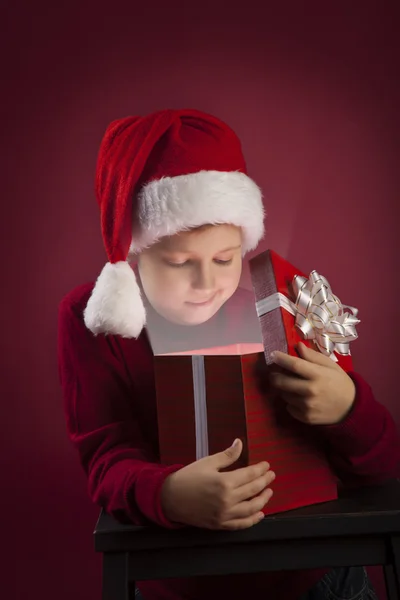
229, 456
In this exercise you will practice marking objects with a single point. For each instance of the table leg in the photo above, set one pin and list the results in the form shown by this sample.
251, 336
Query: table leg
392, 572
391, 589
116, 584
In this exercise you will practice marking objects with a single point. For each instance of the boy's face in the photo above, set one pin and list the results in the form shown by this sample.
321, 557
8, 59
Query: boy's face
187, 277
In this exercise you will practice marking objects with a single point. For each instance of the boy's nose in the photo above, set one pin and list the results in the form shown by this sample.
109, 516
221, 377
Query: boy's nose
204, 279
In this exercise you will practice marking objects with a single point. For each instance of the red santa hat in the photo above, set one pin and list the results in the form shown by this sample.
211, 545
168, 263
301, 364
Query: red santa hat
158, 175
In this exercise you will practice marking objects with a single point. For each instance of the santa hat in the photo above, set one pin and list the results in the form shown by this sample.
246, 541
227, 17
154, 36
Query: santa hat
158, 175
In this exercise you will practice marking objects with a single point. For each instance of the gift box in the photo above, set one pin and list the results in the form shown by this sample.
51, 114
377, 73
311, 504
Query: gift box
208, 397
205, 399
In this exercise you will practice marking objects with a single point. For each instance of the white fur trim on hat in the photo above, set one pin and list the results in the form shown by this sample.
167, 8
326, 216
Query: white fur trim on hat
172, 204
115, 306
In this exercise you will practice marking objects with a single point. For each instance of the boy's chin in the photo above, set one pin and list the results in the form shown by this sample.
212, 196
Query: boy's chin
193, 319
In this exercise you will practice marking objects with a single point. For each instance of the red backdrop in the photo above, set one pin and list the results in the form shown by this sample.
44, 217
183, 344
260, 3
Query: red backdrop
314, 97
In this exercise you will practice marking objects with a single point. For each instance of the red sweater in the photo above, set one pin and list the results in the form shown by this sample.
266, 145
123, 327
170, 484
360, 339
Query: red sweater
110, 407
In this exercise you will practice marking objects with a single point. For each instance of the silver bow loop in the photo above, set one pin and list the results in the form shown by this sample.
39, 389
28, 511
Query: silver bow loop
321, 316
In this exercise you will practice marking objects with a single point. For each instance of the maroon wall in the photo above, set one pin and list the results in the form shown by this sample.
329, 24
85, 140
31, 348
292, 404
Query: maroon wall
315, 100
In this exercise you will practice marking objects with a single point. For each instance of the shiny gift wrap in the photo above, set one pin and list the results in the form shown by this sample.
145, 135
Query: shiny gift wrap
207, 398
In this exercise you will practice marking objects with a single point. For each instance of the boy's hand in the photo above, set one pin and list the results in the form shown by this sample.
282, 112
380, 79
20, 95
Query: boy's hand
200, 495
316, 389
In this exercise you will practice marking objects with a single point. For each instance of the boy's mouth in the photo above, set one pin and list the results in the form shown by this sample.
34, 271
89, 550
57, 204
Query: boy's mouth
204, 302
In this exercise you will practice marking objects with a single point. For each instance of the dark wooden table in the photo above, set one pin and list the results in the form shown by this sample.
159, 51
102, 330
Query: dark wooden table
361, 528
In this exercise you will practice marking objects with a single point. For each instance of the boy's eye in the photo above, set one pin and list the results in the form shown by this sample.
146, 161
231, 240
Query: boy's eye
188, 262
172, 264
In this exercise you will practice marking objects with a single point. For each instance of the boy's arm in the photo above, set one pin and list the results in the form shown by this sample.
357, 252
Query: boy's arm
364, 449
123, 476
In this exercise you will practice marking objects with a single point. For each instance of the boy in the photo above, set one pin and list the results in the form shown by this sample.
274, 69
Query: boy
174, 195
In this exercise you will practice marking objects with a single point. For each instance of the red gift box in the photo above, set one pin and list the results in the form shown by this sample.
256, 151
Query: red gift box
205, 401
207, 398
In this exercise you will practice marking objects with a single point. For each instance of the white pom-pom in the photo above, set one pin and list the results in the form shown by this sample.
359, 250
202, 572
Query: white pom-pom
116, 306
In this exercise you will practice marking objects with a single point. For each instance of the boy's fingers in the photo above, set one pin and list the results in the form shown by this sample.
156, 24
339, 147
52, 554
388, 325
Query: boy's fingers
294, 400
298, 366
227, 457
291, 384
236, 524
244, 475
314, 356
252, 489
245, 509
251, 511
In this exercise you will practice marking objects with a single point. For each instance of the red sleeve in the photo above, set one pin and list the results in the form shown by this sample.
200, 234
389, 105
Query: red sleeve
123, 476
364, 449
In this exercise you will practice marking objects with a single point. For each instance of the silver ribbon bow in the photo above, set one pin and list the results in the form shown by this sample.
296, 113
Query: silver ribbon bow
320, 315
